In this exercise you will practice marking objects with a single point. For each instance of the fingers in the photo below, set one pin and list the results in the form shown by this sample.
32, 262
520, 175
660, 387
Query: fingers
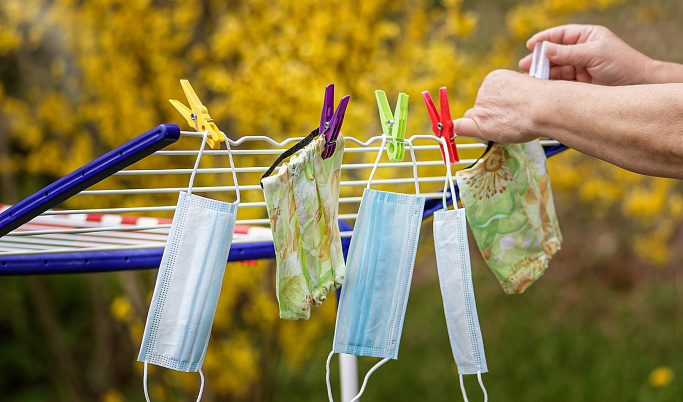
525, 63
566, 73
582, 75
563, 34
466, 127
570, 55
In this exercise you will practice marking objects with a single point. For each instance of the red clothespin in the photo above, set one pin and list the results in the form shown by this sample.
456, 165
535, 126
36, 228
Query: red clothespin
331, 120
442, 125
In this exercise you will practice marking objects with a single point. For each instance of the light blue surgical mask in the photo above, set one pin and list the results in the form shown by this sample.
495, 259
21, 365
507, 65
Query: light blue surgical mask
455, 279
379, 269
189, 281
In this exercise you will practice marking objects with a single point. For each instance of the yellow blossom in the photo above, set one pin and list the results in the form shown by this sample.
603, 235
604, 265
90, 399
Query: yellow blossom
121, 309
112, 395
661, 377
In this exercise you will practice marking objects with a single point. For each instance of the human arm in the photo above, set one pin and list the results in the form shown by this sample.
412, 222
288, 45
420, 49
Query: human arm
639, 128
593, 54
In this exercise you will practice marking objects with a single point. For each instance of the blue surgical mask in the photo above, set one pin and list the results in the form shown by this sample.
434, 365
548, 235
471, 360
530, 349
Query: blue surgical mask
455, 279
189, 282
379, 269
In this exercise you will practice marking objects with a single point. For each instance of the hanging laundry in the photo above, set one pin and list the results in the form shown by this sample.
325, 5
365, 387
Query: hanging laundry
302, 200
455, 279
379, 272
190, 276
510, 209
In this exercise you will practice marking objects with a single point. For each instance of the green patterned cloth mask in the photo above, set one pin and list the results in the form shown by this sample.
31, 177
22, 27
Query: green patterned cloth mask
302, 200
510, 209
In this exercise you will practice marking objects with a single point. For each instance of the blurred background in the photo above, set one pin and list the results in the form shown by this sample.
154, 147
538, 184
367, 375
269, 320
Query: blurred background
78, 78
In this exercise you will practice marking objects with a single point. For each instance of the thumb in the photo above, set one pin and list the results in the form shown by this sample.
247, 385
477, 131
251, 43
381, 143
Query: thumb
465, 127
569, 55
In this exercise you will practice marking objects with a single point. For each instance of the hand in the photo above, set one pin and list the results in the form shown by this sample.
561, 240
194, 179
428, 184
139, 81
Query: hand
503, 111
591, 54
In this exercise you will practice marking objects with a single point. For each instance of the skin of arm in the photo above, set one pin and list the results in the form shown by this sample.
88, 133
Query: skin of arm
637, 127
661, 72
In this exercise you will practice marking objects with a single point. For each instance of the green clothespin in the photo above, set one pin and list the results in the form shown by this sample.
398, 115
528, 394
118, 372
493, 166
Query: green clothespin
393, 128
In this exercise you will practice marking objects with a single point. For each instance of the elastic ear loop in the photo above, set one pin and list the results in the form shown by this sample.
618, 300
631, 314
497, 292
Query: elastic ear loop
144, 382
449, 178
412, 155
232, 167
481, 385
367, 377
196, 162
327, 377
365, 380
379, 156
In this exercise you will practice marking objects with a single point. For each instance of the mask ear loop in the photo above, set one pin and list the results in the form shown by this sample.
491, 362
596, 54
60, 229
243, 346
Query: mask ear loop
365, 380
144, 382
412, 154
449, 179
481, 384
232, 166
196, 163
367, 377
379, 156
327, 377
144, 377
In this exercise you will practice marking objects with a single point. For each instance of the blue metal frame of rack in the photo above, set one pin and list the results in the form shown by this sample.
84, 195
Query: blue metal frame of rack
102, 261
92, 173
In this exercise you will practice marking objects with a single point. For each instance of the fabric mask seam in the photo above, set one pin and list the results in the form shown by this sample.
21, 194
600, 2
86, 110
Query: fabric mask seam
374, 264
349, 259
154, 330
469, 294
360, 225
211, 280
415, 227
361, 323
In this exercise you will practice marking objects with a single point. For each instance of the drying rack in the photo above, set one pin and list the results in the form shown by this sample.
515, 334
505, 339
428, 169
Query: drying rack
107, 238
115, 212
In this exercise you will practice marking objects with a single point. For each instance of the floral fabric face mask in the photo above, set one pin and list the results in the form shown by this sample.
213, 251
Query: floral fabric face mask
302, 200
510, 209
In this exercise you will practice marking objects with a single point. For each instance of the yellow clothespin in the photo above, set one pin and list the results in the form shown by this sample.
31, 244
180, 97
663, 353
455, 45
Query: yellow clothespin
197, 115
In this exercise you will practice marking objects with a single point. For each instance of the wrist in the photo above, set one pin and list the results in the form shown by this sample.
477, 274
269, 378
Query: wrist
542, 106
661, 72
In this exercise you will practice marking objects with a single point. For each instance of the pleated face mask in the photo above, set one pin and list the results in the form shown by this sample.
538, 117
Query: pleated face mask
510, 209
455, 279
378, 274
302, 200
189, 282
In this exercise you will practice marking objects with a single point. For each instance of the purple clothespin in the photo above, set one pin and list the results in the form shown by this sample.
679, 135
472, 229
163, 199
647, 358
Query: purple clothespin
331, 120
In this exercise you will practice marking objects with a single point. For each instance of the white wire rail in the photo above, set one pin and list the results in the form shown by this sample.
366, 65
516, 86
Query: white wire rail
92, 220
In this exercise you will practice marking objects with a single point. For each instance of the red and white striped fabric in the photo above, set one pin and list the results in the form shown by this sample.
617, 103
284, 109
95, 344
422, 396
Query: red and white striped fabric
110, 230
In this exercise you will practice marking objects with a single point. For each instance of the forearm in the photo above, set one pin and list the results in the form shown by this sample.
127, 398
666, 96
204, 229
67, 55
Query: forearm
639, 128
661, 72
